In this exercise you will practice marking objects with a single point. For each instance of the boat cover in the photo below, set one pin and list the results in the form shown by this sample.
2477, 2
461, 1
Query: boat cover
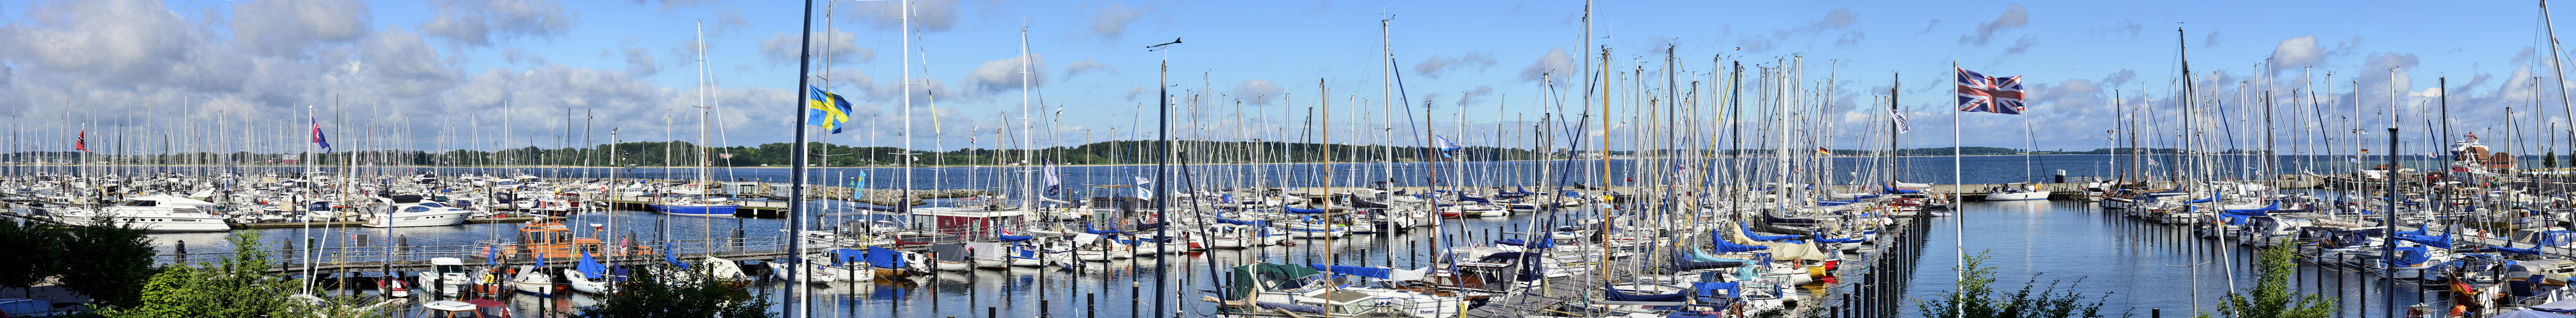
1613, 294
2426, 240
1542, 243
1013, 238
2410, 255
2531, 313
2262, 211
1365, 204
949, 252
1303, 211
589, 268
875, 256
1465, 198
1700, 261
1236, 222
2561, 306
1250, 279
1086, 228
1717, 289
1722, 246
987, 250
1748, 234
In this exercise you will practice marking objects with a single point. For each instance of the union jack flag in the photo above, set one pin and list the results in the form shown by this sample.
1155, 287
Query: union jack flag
1980, 93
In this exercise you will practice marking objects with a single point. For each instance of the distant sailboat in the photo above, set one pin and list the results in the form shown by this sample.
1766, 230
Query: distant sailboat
699, 205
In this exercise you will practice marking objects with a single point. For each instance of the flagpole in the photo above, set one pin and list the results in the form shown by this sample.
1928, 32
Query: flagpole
796, 173
1958, 202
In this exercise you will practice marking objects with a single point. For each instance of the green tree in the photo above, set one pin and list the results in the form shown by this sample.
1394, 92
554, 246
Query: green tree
32, 253
2549, 160
2272, 296
235, 286
1976, 298
112, 262
650, 296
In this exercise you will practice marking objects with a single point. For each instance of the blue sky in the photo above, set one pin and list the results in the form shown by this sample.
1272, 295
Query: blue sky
470, 73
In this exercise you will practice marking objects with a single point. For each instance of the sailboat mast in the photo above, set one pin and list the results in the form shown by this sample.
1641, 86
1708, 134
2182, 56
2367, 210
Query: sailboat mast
2554, 68
796, 171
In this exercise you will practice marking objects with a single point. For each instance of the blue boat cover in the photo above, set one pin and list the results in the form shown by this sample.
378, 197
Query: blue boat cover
1712, 289
1361, 271
1465, 198
672, 256
2409, 255
1748, 233
1086, 228
589, 268
1719, 243
875, 256
1542, 243
1236, 222
1303, 211
2276, 206
2426, 240
1015, 238
1835, 202
2553, 238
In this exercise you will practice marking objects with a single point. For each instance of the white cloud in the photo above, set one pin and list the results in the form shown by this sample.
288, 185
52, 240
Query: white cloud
405, 65
1257, 92
2014, 17
1556, 63
1114, 18
1433, 66
1005, 74
927, 15
2298, 51
292, 27
780, 49
1475, 96
480, 23
1087, 66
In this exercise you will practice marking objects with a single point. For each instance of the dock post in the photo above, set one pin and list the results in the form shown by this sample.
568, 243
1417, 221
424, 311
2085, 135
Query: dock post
1042, 305
2155, 313
737, 239
182, 252
402, 245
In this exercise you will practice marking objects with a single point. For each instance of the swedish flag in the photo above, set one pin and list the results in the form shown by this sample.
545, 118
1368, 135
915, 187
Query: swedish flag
826, 109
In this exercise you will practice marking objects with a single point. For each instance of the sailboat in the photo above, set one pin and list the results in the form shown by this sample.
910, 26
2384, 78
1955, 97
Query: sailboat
699, 205
2020, 191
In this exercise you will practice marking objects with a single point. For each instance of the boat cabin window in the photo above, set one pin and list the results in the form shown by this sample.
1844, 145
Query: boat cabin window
431, 204
451, 268
548, 237
416, 209
140, 203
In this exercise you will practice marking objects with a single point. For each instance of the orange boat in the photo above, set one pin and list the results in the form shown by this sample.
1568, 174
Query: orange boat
554, 242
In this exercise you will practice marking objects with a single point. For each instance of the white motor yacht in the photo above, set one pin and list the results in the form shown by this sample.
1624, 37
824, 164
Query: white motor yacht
411, 211
155, 213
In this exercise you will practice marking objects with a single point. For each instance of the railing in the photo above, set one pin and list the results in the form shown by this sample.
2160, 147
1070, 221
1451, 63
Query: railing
415, 256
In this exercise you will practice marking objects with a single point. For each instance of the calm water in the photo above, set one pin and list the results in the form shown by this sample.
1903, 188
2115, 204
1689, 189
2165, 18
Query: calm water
2146, 265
